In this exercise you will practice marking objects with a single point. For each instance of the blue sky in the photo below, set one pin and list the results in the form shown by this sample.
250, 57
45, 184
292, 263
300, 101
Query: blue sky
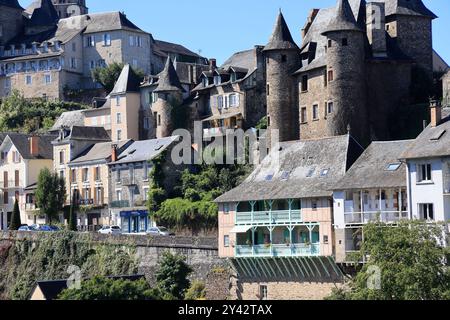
217, 29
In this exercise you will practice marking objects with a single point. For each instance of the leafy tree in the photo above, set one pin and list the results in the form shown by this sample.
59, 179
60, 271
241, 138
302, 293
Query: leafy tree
50, 194
411, 261
172, 276
196, 291
15, 218
262, 124
108, 76
72, 225
101, 288
31, 115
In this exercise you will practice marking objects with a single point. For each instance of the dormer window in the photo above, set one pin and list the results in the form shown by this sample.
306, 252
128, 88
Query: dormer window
233, 77
205, 82
217, 80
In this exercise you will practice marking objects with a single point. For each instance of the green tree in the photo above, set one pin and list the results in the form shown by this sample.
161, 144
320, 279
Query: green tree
102, 288
15, 218
172, 276
410, 260
196, 291
72, 225
108, 76
50, 194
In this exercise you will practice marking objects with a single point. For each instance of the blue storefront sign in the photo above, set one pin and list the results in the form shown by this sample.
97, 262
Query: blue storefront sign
134, 221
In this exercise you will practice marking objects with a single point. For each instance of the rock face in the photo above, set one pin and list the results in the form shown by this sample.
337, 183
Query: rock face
29, 257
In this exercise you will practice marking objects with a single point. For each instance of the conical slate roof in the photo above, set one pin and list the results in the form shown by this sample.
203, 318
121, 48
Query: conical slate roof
281, 38
11, 3
168, 79
42, 13
343, 19
128, 81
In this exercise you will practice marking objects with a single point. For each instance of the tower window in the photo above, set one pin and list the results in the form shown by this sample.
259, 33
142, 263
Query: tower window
330, 43
305, 83
283, 58
316, 112
330, 107
303, 115
330, 75
345, 42
268, 89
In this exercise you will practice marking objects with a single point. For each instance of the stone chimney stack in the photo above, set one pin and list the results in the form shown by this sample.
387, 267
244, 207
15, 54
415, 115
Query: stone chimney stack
376, 25
34, 145
436, 113
113, 152
212, 64
312, 15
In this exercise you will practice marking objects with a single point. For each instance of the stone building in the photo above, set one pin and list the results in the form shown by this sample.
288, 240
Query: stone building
352, 71
232, 96
129, 178
69, 8
277, 226
446, 89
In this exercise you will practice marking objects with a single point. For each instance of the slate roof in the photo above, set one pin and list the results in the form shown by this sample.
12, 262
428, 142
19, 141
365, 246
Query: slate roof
342, 19
11, 4
432, 142
407, 7
99, 151
168, 79
370, 170
145, 150
108, 21
84, 133
42, 13
243, 59
163, 47
298, 160
128, 81
22, 143
281, 38
52, 289
69, 119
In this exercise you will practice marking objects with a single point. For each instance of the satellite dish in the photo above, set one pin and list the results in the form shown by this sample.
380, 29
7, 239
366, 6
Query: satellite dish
73, 10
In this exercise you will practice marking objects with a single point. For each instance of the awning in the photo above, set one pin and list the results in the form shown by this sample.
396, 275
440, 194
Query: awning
223, 116
240, 229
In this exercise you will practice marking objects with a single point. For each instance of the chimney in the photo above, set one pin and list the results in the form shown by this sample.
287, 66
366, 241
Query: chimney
34, 145
376, 28
114, 152
212, 64
436, 113
312, 15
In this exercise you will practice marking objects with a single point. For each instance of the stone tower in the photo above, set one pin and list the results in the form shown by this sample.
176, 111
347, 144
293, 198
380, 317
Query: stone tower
409, 23
11, 20
169, 92
68, 8
42, 17
346, 82
282, 60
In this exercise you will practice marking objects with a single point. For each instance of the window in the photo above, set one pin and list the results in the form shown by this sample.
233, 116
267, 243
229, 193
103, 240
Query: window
16, 157
324, 172
146, 123
106, 39
119, 118
315, 112
226, 241
159, 119
61, 157
330, 107
314, 205
330, 43
99, 195
205, 82
345, 42
118, 101
226, 208
85, 175
283, 58
146, 172
119, 195
97, 173
119, 135
426, 211
310, 172
90, 41
74, 47
233, 77
326, 239
47, 78
5, 197
269, 177
285, 175
217, 80
132, 41
393, 166
234, 101
424, 173
304, 83
17, 178
303, 115
28, 80
118, 175
62, 174
263, 292
73, 63
330, 75
268, 89
74, 175
219, 102
92, 64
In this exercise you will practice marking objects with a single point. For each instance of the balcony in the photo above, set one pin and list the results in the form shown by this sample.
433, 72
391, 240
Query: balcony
375, 216
269, 217
120, 204
278, 250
